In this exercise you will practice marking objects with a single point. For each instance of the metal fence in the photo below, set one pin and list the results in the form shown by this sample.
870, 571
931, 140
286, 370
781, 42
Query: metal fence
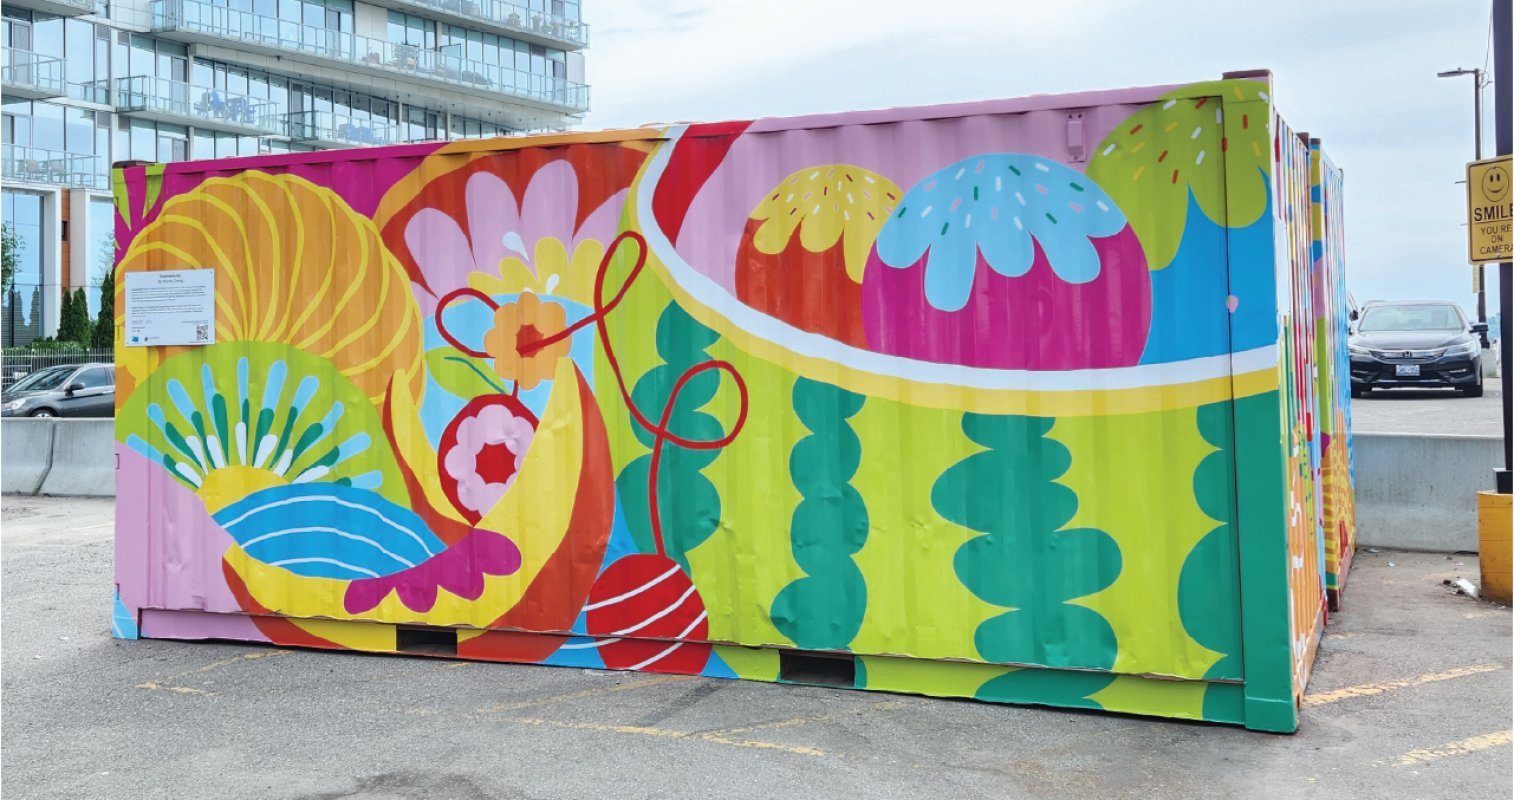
18, 363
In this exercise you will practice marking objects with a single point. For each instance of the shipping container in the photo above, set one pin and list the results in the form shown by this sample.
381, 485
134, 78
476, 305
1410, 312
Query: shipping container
1036, 401
1333, 371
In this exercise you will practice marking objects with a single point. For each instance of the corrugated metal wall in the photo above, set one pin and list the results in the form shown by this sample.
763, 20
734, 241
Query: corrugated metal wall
955, 384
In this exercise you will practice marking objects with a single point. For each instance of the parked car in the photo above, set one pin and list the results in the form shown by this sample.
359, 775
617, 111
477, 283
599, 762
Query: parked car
1423, 344
70, 390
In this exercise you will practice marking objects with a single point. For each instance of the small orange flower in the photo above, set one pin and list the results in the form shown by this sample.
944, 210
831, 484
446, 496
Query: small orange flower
517, 326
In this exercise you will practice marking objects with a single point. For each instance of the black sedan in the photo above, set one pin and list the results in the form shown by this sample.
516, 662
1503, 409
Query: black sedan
1423, 345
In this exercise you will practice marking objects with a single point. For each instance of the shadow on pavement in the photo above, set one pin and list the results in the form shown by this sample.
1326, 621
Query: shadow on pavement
1409, 394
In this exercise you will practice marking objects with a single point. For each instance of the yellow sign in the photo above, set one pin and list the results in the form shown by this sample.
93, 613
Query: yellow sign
1490, 211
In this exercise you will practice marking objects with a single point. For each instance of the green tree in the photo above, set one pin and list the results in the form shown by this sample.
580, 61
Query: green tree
66, 326
104, 333
73, 320
83, 325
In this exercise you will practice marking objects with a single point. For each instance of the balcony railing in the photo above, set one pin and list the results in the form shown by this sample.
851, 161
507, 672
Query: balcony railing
324, 127
203, 19
32, 75
63, 8
52, 168
501, 14
198, 105
96, 92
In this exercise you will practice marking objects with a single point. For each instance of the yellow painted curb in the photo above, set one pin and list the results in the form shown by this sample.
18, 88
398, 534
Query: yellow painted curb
1494, 540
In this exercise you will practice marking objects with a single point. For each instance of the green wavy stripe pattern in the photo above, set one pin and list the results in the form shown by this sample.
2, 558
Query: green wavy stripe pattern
824, 610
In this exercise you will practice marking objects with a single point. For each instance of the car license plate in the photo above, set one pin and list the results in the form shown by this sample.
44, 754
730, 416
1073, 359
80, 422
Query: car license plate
1408, 370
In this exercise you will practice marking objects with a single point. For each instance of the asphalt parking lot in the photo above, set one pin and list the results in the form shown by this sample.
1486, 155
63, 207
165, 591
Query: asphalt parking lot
1411, 697
1436, 411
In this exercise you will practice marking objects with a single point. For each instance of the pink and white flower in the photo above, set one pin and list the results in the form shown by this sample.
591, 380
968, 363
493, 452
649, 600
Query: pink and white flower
486, 456
528, 239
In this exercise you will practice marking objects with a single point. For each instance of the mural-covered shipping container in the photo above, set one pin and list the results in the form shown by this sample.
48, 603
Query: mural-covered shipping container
1032, 401
1333, 368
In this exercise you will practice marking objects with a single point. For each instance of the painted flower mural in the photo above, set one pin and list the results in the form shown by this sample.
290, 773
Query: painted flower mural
517, 327
483, 451
502, 243
924, 393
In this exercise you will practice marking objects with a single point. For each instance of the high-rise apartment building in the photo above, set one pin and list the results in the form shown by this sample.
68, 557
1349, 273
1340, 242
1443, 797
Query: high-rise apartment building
90, 82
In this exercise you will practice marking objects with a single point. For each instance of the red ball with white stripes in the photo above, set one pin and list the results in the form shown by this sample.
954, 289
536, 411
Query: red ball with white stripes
647, 615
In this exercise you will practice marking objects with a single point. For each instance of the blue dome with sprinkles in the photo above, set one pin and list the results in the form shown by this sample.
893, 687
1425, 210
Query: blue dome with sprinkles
993, 204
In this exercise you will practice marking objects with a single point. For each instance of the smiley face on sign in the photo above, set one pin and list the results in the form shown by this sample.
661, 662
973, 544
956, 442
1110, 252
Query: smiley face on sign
1495, 184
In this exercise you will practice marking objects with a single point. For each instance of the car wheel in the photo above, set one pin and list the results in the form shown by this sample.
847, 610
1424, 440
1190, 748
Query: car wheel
43, 412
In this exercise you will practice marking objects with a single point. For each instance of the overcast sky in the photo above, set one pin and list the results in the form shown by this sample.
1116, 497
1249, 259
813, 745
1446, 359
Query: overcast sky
1359, 74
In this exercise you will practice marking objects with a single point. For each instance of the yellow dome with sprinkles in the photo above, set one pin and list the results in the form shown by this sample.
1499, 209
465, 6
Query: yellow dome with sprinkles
824, 203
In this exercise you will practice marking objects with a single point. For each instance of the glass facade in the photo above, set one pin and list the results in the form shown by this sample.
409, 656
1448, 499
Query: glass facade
81, 46
101, 242
83, 92
53, 144
21, 311
407, 45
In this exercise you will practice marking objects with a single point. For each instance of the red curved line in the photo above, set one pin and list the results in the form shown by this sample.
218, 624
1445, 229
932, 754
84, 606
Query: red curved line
660, 431
441, 327
662, 435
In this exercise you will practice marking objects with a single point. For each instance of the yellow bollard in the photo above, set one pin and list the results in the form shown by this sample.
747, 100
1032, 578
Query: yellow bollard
1494, 540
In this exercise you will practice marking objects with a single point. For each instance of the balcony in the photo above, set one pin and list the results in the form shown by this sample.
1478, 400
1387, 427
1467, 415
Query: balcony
210, 109
62, 8
328, 130
31, 76
52, 168
501, 17
427, 70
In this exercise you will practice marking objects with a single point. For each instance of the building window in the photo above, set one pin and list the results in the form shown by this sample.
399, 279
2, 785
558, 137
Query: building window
411, 30
144, 56
21, 307
56, 137
211, 144
145, 140
102, 248
464, 128
333, 15
422, 125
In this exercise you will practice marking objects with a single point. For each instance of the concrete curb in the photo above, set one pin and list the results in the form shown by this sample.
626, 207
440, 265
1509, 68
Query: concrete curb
1413, 491
26, 454
1419, 492
83, 462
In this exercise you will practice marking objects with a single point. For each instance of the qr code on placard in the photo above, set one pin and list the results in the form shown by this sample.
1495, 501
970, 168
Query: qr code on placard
202, 333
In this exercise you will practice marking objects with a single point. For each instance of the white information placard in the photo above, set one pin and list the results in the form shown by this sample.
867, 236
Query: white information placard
164, 308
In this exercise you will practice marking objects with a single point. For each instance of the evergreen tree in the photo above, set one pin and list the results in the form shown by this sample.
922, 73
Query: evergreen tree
83, 326
104, 333
73, 320
66, 318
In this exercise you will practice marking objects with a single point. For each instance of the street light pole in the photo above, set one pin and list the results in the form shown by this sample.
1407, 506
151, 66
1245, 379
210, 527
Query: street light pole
1477, 86
1503, 124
